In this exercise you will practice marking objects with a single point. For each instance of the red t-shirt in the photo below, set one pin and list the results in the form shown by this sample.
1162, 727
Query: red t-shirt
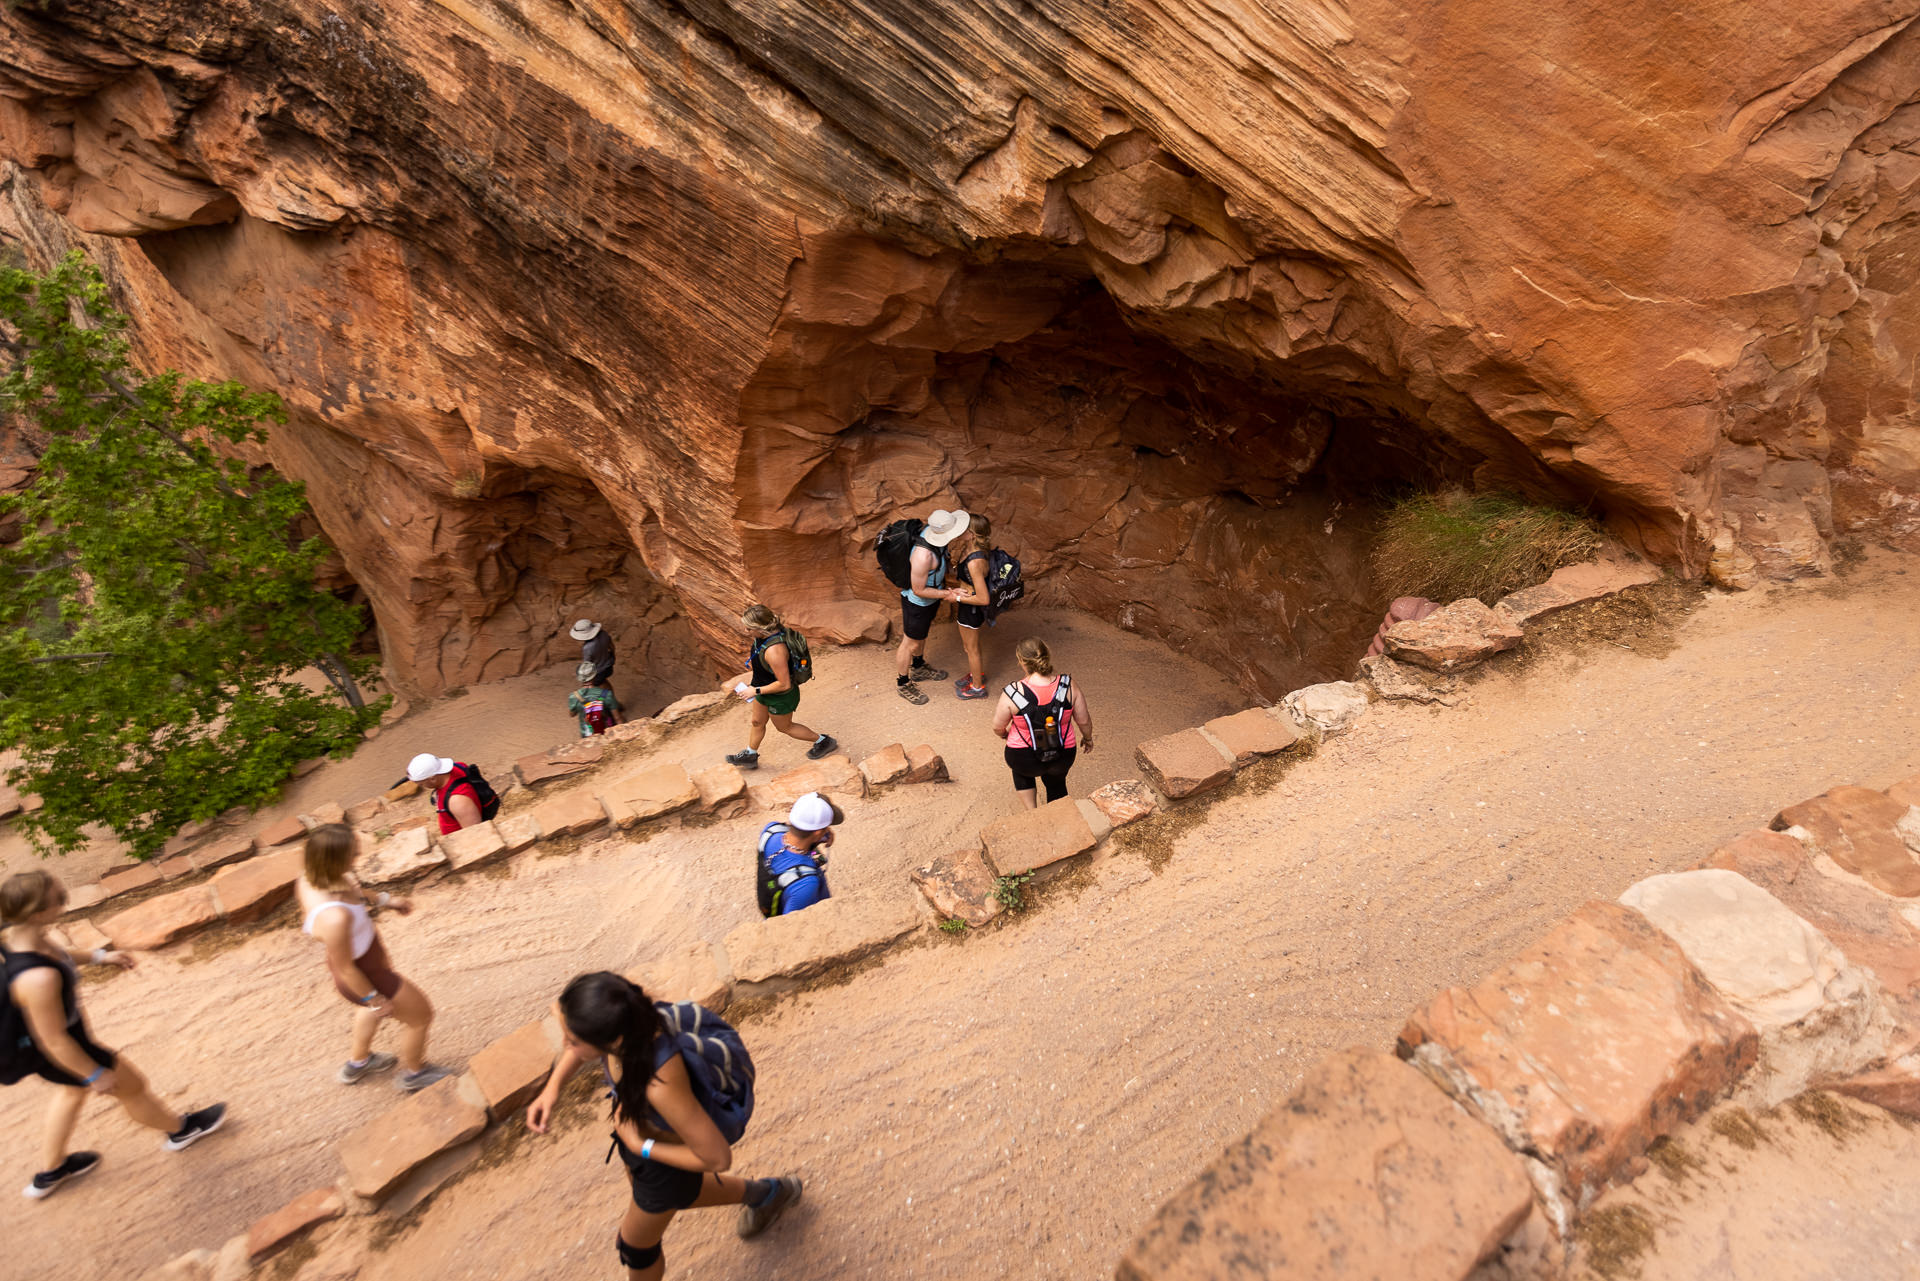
456, 785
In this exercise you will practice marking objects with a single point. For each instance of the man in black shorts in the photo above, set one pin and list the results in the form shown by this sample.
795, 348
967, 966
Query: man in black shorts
927, 571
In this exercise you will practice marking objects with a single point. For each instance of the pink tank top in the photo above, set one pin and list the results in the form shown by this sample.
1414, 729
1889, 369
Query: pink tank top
1018, 735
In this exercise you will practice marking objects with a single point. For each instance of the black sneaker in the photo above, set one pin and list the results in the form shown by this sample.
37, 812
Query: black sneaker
822, 746
911, 692
47, 1182
924, 673
755, 1219
747, 759
195, 1126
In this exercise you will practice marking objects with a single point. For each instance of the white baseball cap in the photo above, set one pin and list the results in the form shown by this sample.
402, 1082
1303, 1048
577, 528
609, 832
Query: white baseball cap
944, 526
427, 765
811, 813
584, 630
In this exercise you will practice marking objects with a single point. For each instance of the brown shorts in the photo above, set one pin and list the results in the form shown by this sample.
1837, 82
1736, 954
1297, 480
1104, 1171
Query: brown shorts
379, 971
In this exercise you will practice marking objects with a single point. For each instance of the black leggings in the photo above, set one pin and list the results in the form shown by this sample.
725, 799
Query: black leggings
1026, 767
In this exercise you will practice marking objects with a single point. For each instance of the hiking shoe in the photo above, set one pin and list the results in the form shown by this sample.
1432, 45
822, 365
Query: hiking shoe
414, 1082
912, 694
925, 673
755, 1219
47, 1182
195, 1126
822, 746
972, 691
748, 759
375, 1063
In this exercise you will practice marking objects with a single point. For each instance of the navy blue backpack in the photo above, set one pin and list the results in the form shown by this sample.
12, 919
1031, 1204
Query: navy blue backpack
718, 1066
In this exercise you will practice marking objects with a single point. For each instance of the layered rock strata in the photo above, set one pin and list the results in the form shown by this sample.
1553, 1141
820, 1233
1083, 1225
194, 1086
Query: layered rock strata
643, 309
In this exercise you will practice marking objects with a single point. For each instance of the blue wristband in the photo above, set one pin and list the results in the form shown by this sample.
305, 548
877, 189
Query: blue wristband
97, 1074
370, 997
646, 1150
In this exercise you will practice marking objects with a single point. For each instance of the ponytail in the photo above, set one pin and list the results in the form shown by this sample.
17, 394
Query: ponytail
605, 1010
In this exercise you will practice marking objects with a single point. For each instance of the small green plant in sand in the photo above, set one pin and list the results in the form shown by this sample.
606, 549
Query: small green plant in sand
1008, 890
1449, 546
954, 925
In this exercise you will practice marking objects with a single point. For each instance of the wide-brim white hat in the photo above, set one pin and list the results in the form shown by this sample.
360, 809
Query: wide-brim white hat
584, 630
944, 526
427, 765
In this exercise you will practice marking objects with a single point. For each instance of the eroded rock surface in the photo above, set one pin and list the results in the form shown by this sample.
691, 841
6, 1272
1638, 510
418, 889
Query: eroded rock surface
585, 311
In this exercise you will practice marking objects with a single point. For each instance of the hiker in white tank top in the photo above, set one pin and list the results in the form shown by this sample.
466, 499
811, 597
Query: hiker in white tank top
337, 913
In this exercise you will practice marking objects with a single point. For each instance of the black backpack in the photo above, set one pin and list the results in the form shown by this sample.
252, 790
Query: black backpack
19, 1057
894, 551
1004, 585
482, 791
1043, 719
799, 657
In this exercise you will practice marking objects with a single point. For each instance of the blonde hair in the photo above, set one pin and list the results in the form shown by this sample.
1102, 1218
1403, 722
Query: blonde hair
330, 849
981, 530
760, 619
1034, 656
29, 894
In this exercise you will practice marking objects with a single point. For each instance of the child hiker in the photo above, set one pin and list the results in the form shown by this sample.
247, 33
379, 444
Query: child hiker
593, 703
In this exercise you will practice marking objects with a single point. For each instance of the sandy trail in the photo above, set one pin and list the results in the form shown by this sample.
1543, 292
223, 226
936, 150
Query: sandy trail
1014, 1103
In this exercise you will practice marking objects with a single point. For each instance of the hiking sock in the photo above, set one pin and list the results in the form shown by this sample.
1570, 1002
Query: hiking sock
760, 1191
919, 664
901, 680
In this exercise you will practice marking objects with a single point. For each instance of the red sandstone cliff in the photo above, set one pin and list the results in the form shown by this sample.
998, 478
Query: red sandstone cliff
639, 308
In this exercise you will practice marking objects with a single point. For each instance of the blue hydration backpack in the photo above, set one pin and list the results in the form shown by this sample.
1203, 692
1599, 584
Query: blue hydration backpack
718, 1066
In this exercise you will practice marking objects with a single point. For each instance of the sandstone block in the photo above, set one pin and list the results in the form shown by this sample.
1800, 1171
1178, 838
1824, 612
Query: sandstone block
85, 937
361, 812
1367, 1172
719, 784
1124, 801
642, 731
160, 920
401, 857
283, 832
1254, 732
297, 1216
1407, 683
472, 847
1330, 708
691, 705
1027, 839
1400, 610
835, 776
1854, 826
251, 890
541, 768
1863, 924
924, 765
690, 974
1452, 637
413, 1131
650, 794
888, 765
401, 791
510, 1071
1906, 791
1575, 585
1183, 763
321, 815
581, 751
1584, 1049
127, 879
517, 831
803, 944
1817, 1016
177, 866
179, 843
569, 815
223, 850
1894, 1086
82, 897
960, 884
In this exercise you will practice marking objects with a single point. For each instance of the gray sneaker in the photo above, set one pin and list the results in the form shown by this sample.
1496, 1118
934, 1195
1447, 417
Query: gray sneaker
375, 1063
755, 1219
414, 1082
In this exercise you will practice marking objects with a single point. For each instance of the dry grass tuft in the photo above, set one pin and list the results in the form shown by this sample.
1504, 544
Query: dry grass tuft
1449, 546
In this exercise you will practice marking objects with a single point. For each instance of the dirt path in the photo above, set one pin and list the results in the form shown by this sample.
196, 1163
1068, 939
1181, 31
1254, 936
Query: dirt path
1014, 1103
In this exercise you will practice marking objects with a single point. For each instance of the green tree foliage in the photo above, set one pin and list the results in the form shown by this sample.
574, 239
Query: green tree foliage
157, 607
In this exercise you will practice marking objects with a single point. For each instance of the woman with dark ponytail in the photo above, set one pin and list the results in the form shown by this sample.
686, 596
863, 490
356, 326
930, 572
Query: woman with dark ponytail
675, 1154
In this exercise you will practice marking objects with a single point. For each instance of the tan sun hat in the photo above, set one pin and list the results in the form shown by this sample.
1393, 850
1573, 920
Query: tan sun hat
585, 630
943, 527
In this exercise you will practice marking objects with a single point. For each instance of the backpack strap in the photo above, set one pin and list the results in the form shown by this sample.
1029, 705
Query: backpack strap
1020, 696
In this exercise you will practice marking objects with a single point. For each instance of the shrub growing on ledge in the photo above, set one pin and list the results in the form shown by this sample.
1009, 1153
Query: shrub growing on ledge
1449, 546
157, 607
